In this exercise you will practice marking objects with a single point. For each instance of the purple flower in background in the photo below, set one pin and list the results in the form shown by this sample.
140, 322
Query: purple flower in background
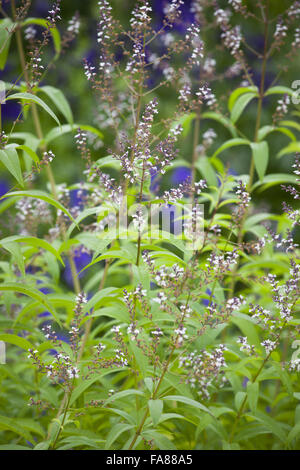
154, 186
245, 381
10, 111
45, 291
81, 259
187, 16
61, 336
4, 187
180, 175
206, 302
77, 197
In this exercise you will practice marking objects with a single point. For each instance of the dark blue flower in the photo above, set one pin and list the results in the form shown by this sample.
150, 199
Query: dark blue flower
11, 111
180, 175
44, 290
77, 197
206, 301
155, 178
4, 187
245, 381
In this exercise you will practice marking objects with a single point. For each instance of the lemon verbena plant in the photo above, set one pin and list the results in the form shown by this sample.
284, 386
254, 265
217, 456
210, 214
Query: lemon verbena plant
153, 302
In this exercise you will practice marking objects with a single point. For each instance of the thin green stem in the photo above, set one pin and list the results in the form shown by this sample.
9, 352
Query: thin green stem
63, 419
257, 126
156, 390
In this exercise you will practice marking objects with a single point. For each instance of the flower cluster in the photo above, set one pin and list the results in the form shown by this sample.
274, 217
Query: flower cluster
222, 263
54, 14
233, 39
245, 346
204, 369
193, 35
205, 94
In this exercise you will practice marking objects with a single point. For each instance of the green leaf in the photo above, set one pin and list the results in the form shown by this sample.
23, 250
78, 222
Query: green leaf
149, 383
11, 424
30, 292
79, 441
294, 433
95, 301
247, 327
35, 99
261, 157
239, 399
53, 31
207, 171
33, 241
13, 447
266, 130
222, 120
274, 426
29, 152
253, 393
188, 401
291, 148
292, 124
141, 359
279, 90
123, 394
115, 432
66, 128
10, 159
6, 30
238, 92
15, 250
240, 105
250, 432
231, 143
273, 179
43, 196
186, 122
155, 409
58, 98
108, 161
16, 340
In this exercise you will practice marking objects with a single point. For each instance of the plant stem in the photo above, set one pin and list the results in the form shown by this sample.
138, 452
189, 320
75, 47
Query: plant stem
164, 371
257, 126
90, 321
195, 144
63, 420
38, 128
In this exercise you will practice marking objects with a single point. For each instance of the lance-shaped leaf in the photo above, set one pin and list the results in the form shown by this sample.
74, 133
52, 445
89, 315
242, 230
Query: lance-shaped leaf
240, 105
28, 97
43, 196
230, 143
30, 292
58, 98
6, 30
66, 128
33, 241
238, 92
10, 159
261, 157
